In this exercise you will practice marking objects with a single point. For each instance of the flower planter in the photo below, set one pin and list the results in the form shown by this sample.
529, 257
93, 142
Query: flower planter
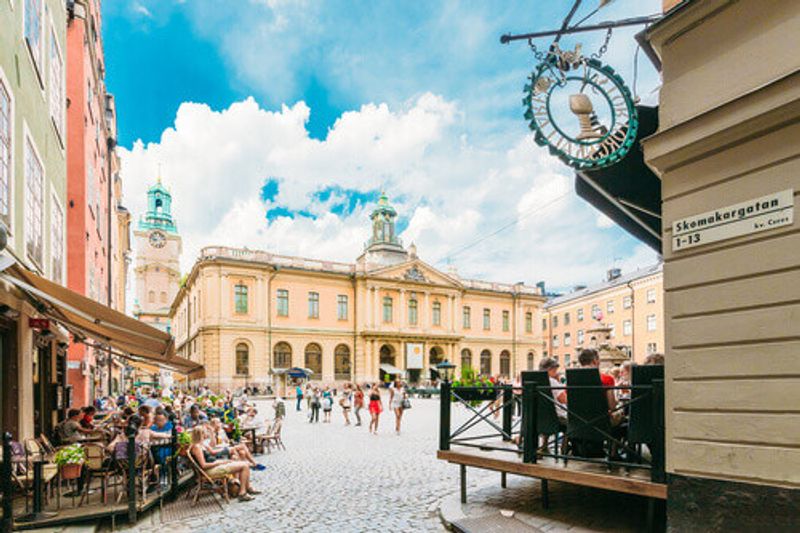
71, 471
471, 395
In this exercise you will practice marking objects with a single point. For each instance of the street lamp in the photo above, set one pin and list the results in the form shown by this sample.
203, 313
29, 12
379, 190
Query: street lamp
445, 369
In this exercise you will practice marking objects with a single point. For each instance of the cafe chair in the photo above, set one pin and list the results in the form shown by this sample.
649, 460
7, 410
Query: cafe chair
97, 467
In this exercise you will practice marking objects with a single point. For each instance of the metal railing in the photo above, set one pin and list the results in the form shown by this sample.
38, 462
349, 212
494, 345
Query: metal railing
483, 402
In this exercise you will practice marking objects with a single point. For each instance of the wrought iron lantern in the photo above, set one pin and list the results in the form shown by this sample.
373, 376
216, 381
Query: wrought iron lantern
445, 369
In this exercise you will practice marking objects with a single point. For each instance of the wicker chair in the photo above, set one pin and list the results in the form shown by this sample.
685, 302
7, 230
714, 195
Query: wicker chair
97, 467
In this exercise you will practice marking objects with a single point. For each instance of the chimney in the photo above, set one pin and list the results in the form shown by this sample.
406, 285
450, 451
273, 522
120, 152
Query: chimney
577, 288
613, 273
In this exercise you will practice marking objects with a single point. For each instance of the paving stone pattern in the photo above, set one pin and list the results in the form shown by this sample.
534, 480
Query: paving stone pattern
337, 478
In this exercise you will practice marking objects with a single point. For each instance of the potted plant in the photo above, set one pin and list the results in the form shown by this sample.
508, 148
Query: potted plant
70, 460
477, 389
184, 441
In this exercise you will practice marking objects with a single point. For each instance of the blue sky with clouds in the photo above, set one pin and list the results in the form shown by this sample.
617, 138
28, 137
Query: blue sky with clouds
293, 114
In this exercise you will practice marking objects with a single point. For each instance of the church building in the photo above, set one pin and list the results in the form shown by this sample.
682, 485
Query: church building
158, 250
257, 318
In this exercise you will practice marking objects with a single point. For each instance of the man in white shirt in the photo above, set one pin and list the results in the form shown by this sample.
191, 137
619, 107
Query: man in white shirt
550, 365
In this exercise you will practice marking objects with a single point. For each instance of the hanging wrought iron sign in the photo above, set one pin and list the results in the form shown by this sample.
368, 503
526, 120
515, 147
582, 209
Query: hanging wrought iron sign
580, 108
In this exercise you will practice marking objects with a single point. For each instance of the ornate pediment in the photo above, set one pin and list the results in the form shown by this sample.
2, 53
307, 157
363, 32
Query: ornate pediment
415, 274
416, 271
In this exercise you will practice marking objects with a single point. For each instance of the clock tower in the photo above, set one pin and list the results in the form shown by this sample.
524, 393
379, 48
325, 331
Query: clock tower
158, 250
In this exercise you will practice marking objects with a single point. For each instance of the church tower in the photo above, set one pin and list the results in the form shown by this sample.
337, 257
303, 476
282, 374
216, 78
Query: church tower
158, 250
384, 247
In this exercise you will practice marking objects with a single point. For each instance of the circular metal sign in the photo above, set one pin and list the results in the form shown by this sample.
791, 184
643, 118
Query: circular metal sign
581, 110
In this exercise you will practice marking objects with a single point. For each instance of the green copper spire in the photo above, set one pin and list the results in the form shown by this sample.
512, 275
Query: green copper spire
383, 219
159, 209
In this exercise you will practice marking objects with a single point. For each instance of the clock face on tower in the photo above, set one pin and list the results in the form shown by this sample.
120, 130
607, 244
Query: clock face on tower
157, 239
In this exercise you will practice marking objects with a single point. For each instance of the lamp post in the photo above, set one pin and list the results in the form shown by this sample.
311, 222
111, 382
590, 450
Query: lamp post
445, 369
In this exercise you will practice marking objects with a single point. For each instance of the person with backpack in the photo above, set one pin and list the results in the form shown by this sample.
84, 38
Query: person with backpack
327, 405
298, 391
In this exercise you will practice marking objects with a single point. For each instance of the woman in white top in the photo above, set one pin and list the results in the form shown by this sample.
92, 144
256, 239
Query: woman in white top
397, 395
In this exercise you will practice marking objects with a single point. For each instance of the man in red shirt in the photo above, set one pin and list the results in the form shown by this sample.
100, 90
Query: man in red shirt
589, 358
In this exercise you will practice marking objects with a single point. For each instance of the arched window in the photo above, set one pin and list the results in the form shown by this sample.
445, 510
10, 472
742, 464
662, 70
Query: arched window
314, 360
530, 360
242, 360
505, 363
387, 355
341, 363
486, 363
466, 358
282, 355
436, 356
151, 297
163, 297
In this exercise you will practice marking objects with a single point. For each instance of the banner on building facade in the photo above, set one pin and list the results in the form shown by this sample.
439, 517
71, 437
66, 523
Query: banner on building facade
414, 355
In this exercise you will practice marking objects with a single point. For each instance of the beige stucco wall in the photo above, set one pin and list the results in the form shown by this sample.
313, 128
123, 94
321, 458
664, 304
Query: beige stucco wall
730, 104
208, 328
639, 311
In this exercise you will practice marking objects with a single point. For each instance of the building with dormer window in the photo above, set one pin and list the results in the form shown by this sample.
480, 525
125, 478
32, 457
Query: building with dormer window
254, 317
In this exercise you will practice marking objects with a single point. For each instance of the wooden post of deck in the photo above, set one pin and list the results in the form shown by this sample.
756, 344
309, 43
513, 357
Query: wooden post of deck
463, 479
508, 411
444, 416
657, 465
8, 487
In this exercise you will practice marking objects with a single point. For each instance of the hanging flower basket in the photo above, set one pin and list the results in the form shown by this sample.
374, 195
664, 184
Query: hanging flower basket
70, 460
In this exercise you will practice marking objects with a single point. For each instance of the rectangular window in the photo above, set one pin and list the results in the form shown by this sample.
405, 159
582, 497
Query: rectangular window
283, 302
467, 317
528, 322
487, 319
57, 244
627, 302
613, 331
341, 307
627, 328
544, 324
555, 341
555, 321
580, 314
610, 306
33, 29
567, 339
412, 312
313, 305
387, 309
240, 298
567, 360
651, 296
437, 314
566, 319
34, 204
57, 95
5, 154
505, 320
652, 347
580, 337
651, 322
595, 311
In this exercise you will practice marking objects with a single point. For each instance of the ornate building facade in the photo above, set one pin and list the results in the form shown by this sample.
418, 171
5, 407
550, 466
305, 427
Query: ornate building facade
250, 317
158, 250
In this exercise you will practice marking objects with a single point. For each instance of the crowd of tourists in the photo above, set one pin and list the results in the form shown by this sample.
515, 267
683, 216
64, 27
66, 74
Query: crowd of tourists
211, 424
353, 399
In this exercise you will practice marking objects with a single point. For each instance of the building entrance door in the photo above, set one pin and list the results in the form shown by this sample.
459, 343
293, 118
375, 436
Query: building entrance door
9, 395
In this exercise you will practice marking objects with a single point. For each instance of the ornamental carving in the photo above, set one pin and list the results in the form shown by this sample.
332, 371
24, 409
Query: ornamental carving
414, 274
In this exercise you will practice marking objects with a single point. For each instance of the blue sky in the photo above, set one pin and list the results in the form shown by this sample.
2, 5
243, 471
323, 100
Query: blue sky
376, 72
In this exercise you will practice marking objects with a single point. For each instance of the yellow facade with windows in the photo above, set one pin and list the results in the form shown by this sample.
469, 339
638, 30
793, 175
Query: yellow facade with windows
250, 316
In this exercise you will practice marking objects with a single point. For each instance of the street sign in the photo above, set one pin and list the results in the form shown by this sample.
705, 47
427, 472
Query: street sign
752, 216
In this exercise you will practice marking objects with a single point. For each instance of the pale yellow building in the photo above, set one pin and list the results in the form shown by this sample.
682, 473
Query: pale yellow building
631, 305
250, 316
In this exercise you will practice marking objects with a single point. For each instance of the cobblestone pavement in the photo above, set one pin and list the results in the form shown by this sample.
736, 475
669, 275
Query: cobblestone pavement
337, 478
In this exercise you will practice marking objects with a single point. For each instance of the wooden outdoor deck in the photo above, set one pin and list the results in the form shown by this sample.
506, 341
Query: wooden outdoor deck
633, 481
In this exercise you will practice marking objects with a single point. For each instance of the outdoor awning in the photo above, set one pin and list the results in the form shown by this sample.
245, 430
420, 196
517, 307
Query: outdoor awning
125, 335
629, 193
391, 370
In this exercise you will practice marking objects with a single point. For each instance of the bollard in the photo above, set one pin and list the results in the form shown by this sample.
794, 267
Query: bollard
173, 461
130, 432
8, 487
444, 416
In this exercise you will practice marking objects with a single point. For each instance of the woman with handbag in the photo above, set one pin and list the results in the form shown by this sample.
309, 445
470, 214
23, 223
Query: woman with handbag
398, 400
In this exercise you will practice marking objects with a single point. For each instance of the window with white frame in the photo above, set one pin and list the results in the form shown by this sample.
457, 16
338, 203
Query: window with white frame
652, 347
612, 332
567, 339
5, 153
651, 322
627, 302
580, 314
57, 244
580, 337
57, 94
555, 341
610, 306
341, 307
33, 18
627, 328
651, 296
34, 204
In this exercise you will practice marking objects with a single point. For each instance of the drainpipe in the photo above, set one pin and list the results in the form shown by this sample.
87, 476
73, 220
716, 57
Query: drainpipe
514, 301
355, 327
633, 321
111, 143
